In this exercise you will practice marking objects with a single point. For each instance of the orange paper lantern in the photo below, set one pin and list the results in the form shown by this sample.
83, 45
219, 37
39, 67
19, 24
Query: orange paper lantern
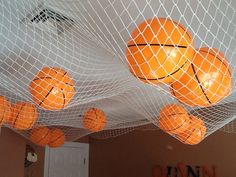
24, 115
5, 110
57, 138
40, 136
52, 88
159, 51
207, 81
195, 133
174, 119
94, 120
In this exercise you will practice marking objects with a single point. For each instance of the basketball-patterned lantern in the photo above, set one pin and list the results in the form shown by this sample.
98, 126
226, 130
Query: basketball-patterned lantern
5, 110
23, 117
94, 120
195, 133
207, 81
159, 51
174, 119
40, 136
52, 88
57, 138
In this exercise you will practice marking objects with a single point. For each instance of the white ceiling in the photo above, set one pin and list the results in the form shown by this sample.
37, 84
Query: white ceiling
93, 50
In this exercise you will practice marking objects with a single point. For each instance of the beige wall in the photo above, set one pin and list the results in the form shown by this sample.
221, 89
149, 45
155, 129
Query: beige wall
134, 154
36, 169
12, 154
131, 155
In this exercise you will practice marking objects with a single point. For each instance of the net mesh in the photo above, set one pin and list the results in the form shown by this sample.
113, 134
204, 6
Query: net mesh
95, 43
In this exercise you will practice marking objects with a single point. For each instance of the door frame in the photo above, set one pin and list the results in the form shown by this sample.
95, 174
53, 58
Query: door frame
67, 144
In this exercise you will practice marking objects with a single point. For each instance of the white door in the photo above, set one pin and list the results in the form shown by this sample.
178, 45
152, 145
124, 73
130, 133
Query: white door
70, 160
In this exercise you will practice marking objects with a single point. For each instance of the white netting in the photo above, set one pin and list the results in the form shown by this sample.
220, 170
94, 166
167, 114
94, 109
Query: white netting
93, 42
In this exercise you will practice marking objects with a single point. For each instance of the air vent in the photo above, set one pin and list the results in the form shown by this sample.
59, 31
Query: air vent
48, 20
